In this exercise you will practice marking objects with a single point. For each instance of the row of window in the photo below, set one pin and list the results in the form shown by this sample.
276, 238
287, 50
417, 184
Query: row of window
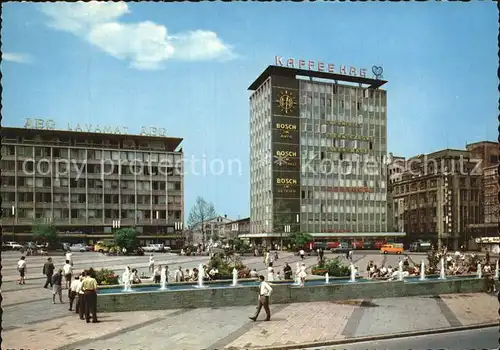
26, 197
74, 153
41, 182
97, 214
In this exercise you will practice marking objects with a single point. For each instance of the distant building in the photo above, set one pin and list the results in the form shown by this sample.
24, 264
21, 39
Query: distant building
88, 184
437, 197
395, 169
486, 232
202, 232
237, 228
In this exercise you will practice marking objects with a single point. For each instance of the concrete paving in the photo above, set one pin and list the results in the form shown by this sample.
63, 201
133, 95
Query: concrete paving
30, 318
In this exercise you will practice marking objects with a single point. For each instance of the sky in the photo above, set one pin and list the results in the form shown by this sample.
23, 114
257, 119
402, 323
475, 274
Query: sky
186, 67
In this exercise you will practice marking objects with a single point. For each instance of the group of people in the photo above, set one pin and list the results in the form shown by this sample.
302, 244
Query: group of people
83, 288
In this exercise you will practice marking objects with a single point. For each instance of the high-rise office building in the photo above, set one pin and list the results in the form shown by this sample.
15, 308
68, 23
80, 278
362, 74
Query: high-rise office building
318, 146
87, 184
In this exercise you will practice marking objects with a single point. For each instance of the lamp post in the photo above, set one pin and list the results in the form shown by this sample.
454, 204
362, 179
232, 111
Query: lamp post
287, 230
13, 213
178, 226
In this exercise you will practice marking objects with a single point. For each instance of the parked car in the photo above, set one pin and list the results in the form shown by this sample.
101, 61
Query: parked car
420, 246
13, 246
103, 246
79, 247
341, 248
153, 248
395, 248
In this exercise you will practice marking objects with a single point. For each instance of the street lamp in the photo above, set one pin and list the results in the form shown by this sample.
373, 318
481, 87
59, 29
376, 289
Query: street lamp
287, 230
13, 213
178, 226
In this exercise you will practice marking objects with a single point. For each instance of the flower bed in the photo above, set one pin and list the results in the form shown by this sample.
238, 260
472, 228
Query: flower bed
104, 277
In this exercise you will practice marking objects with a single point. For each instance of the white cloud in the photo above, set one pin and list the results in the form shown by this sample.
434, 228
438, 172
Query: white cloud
16, 57
146, 45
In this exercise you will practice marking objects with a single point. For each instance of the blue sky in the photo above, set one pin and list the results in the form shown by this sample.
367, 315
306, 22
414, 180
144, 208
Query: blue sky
186, 67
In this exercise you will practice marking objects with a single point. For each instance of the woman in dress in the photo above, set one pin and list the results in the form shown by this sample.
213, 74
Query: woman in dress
302, 275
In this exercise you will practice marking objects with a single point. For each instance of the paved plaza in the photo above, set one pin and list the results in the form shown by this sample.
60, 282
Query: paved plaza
30, 320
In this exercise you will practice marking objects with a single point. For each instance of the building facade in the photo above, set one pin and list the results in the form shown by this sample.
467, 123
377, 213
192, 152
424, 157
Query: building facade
88, 184
395, 169
236, 228
318, 146
204, 232
437, 197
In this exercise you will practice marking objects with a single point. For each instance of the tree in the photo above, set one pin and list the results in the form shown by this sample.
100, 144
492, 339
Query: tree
299, 239
201, 212
46, 233
215, 237
126, 238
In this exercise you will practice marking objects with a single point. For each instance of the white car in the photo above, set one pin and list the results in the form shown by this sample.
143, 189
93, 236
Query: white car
153, 248
79, 248
13, 245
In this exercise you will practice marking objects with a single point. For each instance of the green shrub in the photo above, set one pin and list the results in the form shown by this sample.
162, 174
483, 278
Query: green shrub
104, 276
334, 267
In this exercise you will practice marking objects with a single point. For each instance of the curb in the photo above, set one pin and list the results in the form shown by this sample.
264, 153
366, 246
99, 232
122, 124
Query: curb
378, 337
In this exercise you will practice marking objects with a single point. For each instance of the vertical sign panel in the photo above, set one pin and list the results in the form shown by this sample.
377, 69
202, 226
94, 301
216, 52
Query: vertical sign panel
286, 153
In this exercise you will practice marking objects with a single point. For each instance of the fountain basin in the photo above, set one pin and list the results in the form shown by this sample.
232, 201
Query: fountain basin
150, 297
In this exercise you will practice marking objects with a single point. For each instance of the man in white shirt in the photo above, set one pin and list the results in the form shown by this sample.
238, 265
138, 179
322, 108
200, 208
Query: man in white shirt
68, 272
264, 293
69, 257
21, 267
80, 303
72, 292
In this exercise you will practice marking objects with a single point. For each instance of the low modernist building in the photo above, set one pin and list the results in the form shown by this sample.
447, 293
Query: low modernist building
87, 184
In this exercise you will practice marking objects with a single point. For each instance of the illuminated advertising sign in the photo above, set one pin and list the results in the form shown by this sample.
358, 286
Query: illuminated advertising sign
320, 66
286, 157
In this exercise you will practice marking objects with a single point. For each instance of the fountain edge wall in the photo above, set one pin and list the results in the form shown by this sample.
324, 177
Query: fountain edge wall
282, 294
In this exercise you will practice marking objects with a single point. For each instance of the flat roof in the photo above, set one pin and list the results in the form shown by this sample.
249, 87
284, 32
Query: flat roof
172, 142
293, 72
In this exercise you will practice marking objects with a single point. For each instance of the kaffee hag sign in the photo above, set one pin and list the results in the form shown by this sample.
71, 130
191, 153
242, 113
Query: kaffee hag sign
319, 66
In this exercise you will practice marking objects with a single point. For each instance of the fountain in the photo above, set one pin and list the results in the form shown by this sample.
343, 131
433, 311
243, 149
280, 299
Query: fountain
353, 273
163, 278
201, 274
479, 270
442, 274
297, 277
327, 278
422, 270
235, 278
126, 280
497, 271
400, 270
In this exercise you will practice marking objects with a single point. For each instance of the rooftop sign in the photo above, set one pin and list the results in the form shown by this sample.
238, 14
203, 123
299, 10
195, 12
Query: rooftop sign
50, 124
326, 67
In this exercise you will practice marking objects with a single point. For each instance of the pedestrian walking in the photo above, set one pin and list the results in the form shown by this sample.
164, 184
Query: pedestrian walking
68, 272
57, 286
89, 287
48, 271
69, 256
151, 263
302, 253
21, 267
264, 294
